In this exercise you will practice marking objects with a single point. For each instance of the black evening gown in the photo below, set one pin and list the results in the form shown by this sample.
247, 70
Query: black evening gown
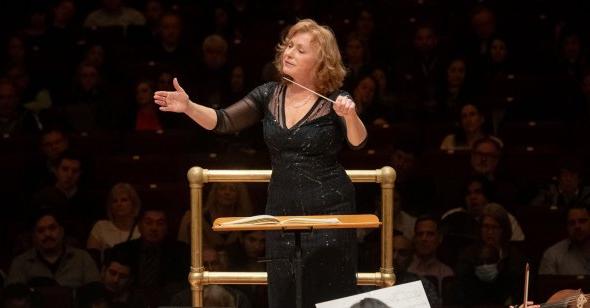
306, 180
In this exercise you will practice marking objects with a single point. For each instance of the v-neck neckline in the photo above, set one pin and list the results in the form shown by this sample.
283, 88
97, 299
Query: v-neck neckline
300, 121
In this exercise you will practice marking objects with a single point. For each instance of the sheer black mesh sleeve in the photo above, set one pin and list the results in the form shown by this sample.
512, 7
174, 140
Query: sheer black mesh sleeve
343, 123
245, 112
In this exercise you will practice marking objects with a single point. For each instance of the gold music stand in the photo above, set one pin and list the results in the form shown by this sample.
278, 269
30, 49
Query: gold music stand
199, 277
345, 222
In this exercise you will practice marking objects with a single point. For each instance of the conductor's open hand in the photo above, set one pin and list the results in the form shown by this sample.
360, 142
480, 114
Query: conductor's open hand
175, 101
344, 107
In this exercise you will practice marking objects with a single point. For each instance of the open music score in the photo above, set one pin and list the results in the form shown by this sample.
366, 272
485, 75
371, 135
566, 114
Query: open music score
267, 222
407, 295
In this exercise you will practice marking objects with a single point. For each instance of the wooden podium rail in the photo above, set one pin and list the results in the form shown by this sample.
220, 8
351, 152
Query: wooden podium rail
198, 277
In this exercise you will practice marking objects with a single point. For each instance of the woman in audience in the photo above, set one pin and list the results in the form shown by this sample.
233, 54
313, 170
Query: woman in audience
471, 128
368, 107
146, 115
454, 93
356, 60
224, 200
123, 205
491, 271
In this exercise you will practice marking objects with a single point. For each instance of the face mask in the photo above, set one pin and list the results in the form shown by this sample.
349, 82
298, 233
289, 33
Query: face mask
487, 272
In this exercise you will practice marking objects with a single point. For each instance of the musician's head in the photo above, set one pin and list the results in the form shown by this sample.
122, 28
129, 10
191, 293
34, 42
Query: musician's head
370, 302
309, 54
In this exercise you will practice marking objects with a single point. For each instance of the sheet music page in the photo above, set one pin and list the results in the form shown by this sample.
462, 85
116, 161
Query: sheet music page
407, 295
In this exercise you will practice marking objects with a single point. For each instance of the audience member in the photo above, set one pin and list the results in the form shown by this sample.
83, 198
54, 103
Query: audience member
117, 278
113, 14
568, 190
571, 255
13, 118
213, 261
213, 71
160, 264
68, 196
223, 200
371, 111
454, 93
418, 74
479, 193
53, 142
460, 226
356, 60
483, 28
247, 255
122, 207
384, 92
52, 259
485, 159
403, 252
170, 49
427, 239
472, 128
369, 303
144, 115
89, 107
491, 271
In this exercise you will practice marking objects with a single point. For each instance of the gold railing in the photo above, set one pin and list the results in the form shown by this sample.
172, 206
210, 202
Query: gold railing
198, 277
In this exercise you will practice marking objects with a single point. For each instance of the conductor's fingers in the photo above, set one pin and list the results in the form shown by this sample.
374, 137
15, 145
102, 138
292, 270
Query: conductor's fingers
177, 85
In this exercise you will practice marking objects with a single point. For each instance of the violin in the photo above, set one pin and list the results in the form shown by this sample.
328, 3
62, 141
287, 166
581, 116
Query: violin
568, 298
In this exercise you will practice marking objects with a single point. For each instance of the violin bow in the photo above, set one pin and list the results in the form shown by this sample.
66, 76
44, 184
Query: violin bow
526, 285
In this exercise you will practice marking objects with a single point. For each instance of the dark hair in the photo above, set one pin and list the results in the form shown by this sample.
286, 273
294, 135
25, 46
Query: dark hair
53, 128
45, 211
489, 140
428, 217
151, 208
460, 137
370, 302
487, 187
71, 155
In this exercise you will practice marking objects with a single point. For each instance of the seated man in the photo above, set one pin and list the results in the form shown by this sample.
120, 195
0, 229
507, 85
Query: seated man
161, 265
569, 189
427, 239
51, 258
71, 199
570, 256
403, 252
117, 278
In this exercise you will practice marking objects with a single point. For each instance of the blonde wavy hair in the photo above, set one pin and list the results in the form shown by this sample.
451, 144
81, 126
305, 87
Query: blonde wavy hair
330, 69
131, 193
243, 205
